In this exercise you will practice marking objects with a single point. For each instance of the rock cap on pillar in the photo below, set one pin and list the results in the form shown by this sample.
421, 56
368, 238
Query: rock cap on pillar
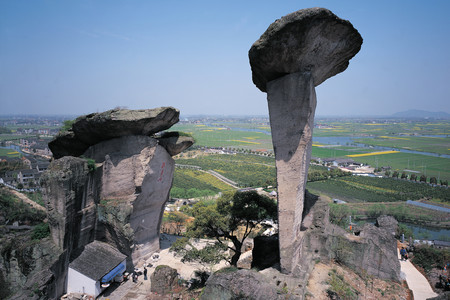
91, 129
309, 40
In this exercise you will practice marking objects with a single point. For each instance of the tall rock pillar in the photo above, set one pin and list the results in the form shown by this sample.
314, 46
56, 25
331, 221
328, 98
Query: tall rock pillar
295, 54
291, 125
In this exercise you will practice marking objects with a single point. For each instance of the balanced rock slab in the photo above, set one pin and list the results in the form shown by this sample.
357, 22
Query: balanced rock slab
309, 40
91, 129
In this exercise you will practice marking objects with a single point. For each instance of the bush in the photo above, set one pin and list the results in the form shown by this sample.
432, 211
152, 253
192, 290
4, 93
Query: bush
40, 231
428, 257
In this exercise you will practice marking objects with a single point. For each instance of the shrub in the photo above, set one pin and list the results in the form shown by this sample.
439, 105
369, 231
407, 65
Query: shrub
428, 257
40, 231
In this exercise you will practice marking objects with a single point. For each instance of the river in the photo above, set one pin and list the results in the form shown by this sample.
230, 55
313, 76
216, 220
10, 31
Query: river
420, 232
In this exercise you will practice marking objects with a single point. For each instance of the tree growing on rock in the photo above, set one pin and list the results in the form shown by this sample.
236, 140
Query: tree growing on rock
232, 218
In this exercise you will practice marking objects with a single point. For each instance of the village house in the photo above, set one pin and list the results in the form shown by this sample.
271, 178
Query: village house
94, 268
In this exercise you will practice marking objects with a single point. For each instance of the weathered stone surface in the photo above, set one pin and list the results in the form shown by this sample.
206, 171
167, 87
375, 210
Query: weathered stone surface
292, 103
91, 129
137, 174
295, 54
243, 284
24, 272
388, 223
67, 144
373, 252
120, 201
69, 193
309, 40
163, 279
175, 143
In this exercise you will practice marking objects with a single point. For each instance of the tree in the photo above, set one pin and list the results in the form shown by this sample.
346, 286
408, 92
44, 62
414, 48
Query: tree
178, 218
233, 212
395, 174
404, 176
387, 173
433, 180
413, 177
423, 178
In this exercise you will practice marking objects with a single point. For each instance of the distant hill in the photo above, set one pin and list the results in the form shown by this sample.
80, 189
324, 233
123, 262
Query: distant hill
421, 114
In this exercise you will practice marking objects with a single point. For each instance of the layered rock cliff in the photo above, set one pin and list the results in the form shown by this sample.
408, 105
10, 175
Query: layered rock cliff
110, 181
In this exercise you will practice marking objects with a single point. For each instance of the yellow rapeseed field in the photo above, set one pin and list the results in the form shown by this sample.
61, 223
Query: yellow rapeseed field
248, 142
393, 138
372, 153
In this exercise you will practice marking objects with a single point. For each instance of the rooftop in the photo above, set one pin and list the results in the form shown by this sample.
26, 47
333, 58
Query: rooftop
96, 259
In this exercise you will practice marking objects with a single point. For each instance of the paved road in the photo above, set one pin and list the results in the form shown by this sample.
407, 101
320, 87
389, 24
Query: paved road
429, 206
416, 281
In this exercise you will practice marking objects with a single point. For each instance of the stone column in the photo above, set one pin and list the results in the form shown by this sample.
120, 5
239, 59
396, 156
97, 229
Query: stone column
295, 54
292, 103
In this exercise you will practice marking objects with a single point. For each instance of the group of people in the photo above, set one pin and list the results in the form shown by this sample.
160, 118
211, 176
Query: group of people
136, 274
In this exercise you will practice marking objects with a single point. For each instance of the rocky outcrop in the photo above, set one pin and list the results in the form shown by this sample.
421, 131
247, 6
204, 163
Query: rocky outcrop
70, 191
93, 128
388, 223
163, 279
24, 272
175, 143
244, 284
373, 251
295, 54
137, 174
310, 40
116, 190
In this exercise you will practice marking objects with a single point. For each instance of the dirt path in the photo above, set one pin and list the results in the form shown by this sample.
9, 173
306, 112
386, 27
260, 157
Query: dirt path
416, 281
27, 200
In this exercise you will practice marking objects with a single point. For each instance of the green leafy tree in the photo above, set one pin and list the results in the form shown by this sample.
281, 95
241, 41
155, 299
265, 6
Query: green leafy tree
433, 180
233, 212
387, 173
395, 174
404, 176
423, 178
178, 218
413, 177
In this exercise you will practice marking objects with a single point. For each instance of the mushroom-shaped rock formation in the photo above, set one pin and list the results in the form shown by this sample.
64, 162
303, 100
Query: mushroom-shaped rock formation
91, 129
116, 189
295, 54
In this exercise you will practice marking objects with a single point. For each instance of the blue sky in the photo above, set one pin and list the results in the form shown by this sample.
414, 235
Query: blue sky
77, 57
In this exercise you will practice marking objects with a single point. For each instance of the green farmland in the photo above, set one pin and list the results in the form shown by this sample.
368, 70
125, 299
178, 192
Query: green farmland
9, 153
361, 128
211, 136
391, 134
370, 189
440, 145
438, 167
